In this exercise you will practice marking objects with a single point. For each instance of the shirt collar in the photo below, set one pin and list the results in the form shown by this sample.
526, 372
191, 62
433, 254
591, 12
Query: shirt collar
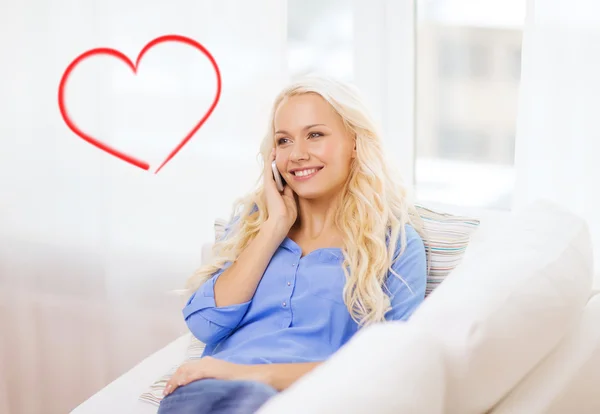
326, 253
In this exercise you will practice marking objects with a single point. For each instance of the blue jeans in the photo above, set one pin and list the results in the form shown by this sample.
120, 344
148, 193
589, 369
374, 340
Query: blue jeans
217, 397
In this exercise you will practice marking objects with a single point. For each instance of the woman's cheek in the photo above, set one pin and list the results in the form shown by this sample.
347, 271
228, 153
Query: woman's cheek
324, 150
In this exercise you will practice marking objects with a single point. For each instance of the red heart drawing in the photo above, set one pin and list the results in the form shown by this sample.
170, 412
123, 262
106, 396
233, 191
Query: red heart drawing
115, 53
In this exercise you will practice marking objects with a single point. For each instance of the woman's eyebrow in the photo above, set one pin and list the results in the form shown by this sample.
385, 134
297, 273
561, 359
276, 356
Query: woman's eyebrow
303, 129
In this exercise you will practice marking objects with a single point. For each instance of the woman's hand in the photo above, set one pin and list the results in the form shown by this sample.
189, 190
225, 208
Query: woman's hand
282, 207
208, 367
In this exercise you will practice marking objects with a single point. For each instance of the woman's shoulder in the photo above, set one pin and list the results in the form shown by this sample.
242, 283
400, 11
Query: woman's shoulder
411, 232
414, 241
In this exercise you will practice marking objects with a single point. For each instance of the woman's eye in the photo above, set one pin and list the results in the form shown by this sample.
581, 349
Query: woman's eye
281, 141
315, 134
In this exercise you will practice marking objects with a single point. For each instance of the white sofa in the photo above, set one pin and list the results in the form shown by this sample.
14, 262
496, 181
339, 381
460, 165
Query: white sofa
520, 337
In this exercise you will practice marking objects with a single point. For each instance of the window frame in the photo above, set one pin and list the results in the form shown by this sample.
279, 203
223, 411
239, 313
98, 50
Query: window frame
384, 71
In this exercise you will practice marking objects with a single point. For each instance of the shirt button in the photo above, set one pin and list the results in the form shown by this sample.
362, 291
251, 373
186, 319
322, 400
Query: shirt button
293, 264
289, 283
283, 304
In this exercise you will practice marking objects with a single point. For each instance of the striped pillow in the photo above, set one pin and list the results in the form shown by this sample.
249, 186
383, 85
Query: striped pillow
447, 238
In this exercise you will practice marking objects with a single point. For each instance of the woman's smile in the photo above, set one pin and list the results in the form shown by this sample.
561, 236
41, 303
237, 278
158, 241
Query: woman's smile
305, 174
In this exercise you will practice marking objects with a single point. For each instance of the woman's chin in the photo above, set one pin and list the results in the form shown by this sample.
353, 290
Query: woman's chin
308, 194
311, 193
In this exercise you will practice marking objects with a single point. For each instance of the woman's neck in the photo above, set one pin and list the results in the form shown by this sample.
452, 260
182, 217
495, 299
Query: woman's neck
316, 218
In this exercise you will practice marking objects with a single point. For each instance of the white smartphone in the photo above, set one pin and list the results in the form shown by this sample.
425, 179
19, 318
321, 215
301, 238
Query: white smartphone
279, 181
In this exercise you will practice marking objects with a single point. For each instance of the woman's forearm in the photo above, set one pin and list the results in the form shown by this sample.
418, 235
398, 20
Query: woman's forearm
238, 282
281, 376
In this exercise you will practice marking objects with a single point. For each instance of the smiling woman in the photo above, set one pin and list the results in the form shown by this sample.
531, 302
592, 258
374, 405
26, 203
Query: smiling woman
299, 272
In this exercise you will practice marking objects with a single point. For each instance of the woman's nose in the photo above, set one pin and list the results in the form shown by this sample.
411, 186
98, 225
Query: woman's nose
299, 151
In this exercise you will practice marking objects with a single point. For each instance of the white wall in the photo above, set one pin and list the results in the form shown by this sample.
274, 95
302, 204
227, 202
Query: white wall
90, 245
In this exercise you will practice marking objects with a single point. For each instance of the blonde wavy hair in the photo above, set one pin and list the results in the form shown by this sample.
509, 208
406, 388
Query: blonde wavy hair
375, 207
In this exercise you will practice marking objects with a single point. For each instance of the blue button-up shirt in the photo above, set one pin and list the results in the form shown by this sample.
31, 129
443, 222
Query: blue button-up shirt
298, 313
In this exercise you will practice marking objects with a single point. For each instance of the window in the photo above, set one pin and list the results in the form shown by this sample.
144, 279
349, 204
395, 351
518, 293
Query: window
467, 79
459, 144
462, 60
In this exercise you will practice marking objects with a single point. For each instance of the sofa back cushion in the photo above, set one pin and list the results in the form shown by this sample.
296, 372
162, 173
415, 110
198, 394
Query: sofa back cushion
508, 303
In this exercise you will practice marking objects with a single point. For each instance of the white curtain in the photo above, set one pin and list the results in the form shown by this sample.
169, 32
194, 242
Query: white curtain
90, 246
558, 126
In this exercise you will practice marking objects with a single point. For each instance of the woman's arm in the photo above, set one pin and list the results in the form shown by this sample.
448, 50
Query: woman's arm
238, 282
279, 376
219, 305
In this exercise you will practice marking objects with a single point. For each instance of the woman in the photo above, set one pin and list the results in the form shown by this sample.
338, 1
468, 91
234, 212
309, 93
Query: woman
299, 272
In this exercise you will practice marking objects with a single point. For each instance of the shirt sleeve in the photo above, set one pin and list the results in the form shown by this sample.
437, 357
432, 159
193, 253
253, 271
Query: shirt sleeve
412, 268
209, 323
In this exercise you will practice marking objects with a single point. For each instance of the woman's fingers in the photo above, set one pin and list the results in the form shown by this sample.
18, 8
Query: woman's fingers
171, 385
287, 191
181, 377
290, 201
174, 381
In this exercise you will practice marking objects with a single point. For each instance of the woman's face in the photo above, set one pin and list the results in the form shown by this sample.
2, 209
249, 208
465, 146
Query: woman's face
313, 149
